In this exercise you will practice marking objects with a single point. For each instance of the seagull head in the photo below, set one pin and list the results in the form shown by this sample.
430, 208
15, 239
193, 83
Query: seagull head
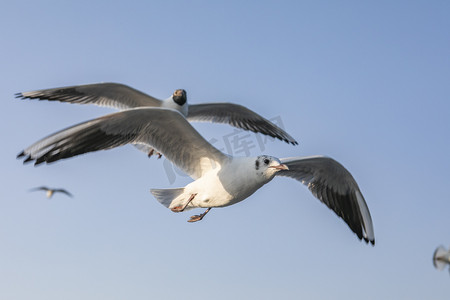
179, 97
268, 166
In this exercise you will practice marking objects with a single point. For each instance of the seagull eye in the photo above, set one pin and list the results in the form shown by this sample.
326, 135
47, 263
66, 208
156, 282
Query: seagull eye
266, 161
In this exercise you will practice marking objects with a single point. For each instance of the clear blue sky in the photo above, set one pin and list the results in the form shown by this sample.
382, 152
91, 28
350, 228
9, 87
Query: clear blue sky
365, 83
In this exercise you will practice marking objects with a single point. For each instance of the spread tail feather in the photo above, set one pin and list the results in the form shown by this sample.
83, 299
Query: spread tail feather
167, 197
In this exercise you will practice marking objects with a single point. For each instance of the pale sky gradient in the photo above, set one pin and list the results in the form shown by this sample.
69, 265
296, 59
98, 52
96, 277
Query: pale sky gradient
365, 83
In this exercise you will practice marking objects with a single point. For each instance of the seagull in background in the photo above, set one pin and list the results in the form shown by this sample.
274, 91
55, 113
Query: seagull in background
441, 258
122, 97
219, 179
51, 191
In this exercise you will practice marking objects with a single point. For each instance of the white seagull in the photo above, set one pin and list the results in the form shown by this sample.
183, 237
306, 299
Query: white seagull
122, 97
441, 258
219, 180
51, 191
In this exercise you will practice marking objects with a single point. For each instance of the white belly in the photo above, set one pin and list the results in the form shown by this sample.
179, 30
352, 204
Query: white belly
217, 191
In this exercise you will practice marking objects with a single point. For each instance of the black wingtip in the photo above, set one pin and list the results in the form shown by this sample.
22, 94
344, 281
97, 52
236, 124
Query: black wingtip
28, 159
288, 140
369, 241
40, 160
19, 95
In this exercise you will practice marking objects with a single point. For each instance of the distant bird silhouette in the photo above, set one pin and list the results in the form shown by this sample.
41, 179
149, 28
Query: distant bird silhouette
51, 191
441, 258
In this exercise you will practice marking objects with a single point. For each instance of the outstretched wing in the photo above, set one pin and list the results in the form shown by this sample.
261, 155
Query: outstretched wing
39, 188
64, 192
237, 116
114, 95
166, 130
332, 184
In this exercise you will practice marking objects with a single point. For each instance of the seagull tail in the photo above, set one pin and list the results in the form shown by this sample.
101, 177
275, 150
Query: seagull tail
167, 197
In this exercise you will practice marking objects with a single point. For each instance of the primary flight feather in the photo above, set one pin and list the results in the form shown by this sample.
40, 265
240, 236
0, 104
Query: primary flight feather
120, 96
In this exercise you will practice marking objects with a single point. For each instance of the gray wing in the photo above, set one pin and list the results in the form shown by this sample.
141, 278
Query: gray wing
64, 192
237, 116
114, 95
166, 130
40, 188
332, 184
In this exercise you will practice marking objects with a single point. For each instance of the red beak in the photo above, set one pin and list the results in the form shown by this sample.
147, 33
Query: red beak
280, 167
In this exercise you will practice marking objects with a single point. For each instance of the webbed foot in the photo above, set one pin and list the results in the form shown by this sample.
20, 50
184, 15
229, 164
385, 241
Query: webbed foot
181, 208
196, 218
153, 152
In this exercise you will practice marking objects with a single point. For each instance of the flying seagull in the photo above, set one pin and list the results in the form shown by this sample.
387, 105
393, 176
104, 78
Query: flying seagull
120, 96
219, 179
51, 191
441, 258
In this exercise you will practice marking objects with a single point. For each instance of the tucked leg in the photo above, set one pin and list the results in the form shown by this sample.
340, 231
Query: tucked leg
198, 217
153, 152
183, 207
